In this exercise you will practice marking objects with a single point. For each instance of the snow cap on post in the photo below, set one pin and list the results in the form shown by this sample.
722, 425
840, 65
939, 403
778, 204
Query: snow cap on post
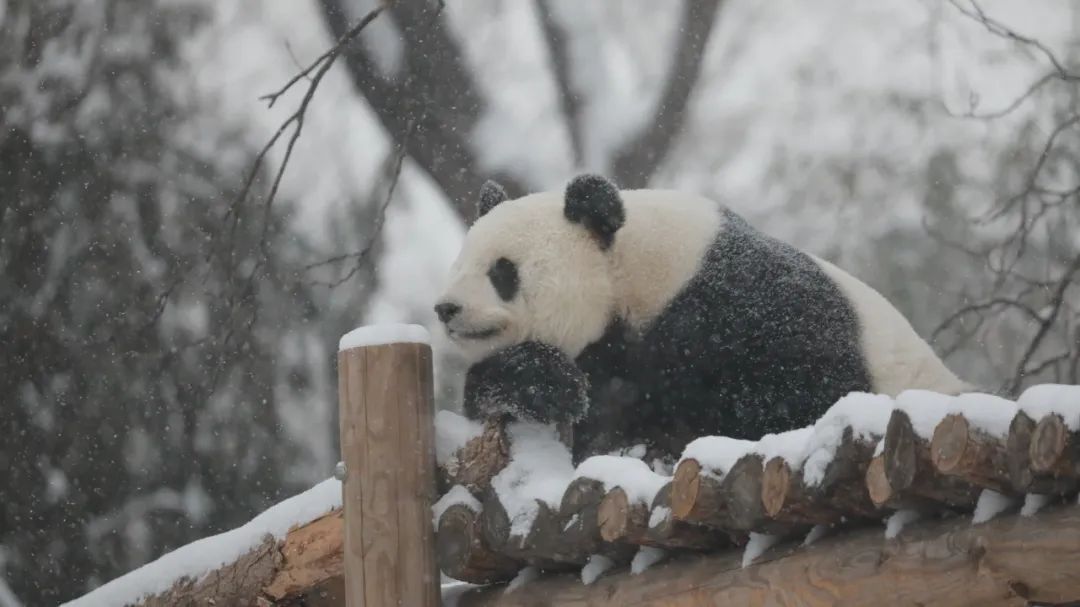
380, 335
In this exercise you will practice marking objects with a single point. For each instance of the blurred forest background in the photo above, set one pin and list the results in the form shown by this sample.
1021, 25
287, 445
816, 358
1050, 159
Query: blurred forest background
168, 329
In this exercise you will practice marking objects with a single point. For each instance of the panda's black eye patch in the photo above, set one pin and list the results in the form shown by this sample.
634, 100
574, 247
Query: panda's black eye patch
504, 277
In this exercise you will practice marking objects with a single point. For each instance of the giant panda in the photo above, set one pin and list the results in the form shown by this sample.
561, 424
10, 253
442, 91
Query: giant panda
682, 318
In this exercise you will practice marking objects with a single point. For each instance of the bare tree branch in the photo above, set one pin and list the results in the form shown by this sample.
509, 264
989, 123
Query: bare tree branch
1040, 163
321, 65
559, 52
1053, 361
358, 257
244, 297
1032, 221
434, 88
1056, 300
635, 165
1058, 70
981, 307
1000, 29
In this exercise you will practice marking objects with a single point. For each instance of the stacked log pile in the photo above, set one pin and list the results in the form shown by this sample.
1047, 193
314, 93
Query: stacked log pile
935, 455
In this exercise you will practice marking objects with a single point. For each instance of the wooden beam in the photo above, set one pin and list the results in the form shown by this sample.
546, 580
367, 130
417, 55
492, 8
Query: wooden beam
238, 583
944, 562
387, 443
303, 568
312, 558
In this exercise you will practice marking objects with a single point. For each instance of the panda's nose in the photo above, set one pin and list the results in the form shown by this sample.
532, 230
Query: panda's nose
447, 310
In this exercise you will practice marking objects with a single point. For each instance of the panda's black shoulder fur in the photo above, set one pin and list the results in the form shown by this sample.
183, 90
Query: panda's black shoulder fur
760, 340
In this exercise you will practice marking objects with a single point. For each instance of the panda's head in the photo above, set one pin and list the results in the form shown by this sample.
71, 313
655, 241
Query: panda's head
535, 268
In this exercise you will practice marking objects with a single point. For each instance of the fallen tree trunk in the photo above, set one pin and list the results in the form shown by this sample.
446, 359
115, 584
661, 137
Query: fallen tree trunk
305, 567
945, 562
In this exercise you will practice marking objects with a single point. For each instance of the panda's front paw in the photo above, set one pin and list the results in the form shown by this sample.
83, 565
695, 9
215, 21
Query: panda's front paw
530, 381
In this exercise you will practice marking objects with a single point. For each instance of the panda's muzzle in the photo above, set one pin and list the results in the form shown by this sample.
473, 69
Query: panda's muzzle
485, 334
447, 311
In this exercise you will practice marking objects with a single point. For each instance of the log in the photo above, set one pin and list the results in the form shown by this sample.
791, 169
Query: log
743, 488
787, 499
842, 486
666, 530
1001, 563
483, 457
627, 523
388, 446
1055, 450
1017, 451
238, 583
579, 523
313, 559
883, 495
960, 450
1023, 477
910, 471
530, 545
579, 534
731, 503
464, 555
697, 496
305, 566
622, 521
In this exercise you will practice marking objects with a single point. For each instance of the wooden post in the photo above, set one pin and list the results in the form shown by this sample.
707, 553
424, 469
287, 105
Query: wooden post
386, 398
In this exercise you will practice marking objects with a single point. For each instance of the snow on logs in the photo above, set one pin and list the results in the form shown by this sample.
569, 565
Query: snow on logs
517, 501
902, 475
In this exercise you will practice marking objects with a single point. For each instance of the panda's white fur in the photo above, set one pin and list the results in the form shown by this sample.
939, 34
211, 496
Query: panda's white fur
663, 240
897, 358
574, 289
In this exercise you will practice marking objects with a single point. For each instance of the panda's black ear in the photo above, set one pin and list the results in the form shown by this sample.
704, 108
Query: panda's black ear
491, 194
594, 202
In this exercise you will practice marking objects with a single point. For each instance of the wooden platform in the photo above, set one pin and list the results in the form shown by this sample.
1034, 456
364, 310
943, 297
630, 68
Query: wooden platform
1008, 561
